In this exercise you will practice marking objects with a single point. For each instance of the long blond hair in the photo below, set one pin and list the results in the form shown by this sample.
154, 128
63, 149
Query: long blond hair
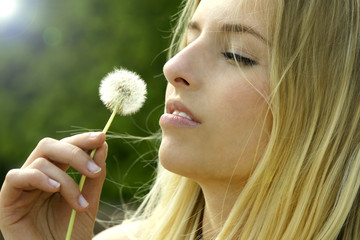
306, 186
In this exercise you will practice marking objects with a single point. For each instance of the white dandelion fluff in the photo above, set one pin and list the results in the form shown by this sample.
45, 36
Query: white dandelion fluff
123, 90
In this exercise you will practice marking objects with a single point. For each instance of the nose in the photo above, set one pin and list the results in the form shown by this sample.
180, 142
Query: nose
184, 69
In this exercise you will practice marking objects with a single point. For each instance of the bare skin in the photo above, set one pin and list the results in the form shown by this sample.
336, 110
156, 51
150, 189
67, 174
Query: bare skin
36, 200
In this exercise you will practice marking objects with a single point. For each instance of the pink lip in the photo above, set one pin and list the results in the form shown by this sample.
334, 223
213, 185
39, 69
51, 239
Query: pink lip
168, 119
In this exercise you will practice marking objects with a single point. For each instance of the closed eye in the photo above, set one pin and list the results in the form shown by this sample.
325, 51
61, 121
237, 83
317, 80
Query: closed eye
239, 59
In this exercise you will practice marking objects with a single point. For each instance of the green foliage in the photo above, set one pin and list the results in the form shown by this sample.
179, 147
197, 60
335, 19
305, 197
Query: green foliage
53, 55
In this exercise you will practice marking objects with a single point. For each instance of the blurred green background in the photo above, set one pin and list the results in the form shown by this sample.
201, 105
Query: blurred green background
53, 55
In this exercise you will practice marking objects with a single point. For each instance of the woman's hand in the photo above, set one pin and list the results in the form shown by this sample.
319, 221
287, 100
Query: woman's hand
36, 200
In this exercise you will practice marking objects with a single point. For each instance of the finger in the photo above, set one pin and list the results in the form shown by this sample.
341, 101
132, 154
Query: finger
89, 141
69, 189
64, 154
101, 155
19, 180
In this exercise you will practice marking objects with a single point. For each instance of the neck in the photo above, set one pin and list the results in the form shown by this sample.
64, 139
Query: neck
219, 200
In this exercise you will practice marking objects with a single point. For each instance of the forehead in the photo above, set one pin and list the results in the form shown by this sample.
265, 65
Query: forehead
254, 13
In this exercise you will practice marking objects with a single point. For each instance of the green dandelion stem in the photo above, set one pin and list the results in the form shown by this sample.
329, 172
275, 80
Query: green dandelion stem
83, 177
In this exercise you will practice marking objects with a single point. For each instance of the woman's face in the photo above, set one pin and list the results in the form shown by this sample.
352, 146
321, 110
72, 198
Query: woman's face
216, 125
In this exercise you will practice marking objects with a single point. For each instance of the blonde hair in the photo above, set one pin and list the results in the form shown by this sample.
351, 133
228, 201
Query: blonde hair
306, 186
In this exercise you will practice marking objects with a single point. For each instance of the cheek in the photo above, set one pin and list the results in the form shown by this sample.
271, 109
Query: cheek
245, 100
243, 128
242, 118
239, 103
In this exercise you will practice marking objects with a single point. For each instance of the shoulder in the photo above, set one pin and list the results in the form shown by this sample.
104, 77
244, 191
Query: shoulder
124, 231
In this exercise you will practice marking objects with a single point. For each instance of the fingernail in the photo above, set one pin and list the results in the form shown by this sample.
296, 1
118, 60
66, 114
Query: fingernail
92, 167
95, 134
54, 183
83, 203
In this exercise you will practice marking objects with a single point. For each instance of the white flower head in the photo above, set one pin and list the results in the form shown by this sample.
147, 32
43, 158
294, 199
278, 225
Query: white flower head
124, 88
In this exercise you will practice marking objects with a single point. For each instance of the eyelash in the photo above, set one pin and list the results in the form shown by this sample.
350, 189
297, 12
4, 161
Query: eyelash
239, 59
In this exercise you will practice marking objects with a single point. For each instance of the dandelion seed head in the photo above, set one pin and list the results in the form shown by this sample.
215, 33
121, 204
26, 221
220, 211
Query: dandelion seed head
124, 88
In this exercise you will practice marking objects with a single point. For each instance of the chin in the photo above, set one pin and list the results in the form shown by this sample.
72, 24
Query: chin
178, 159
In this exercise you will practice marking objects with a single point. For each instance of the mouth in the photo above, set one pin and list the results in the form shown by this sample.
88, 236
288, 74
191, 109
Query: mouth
181, 114
177, 108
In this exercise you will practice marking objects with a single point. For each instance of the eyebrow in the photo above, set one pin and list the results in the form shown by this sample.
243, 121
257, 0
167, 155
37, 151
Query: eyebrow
235, 28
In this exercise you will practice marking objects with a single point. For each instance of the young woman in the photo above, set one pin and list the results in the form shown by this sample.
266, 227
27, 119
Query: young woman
260, 137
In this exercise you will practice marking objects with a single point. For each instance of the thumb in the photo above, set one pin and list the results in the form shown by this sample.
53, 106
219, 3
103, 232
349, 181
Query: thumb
93, 186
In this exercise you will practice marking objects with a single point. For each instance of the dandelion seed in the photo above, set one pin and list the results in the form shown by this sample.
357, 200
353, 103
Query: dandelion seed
124, 89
